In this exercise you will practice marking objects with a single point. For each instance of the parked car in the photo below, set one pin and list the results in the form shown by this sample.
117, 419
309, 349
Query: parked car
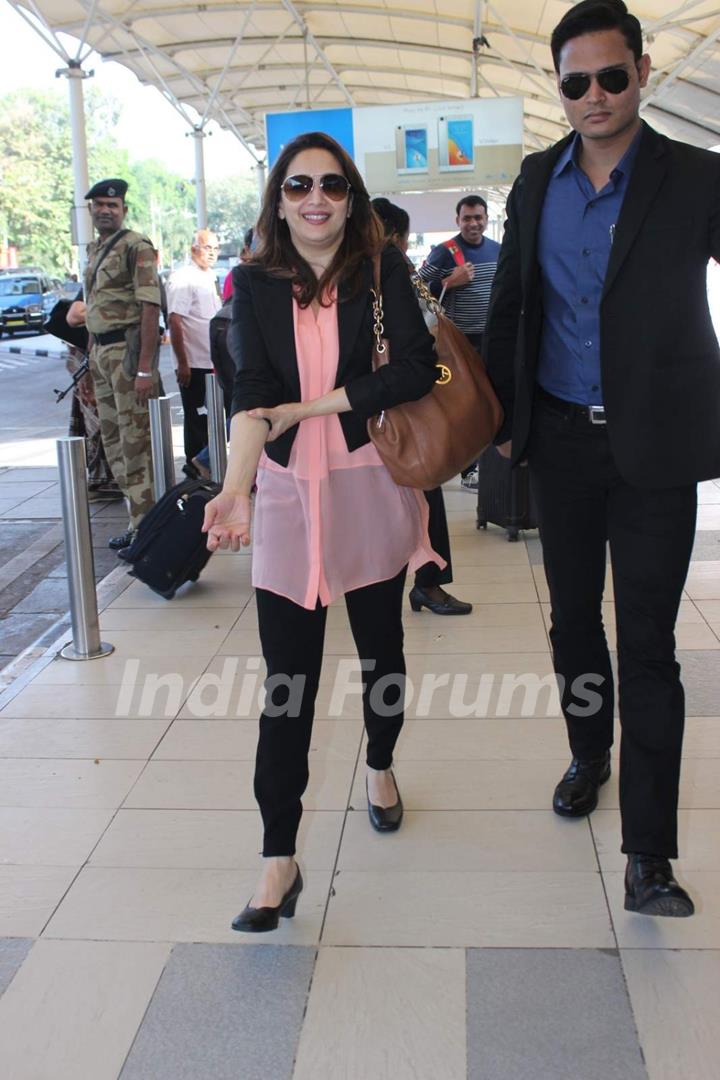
27, 296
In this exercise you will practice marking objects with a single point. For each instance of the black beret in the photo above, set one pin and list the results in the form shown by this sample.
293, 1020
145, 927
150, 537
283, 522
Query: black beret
112, 189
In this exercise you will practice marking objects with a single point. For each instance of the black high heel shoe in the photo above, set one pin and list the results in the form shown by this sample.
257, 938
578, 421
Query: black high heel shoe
259, 920
385, 818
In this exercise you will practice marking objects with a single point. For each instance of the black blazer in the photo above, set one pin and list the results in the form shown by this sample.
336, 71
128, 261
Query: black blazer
659, 354
262, 343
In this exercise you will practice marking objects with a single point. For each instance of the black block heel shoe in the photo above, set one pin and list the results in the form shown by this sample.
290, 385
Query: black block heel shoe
262, 919
385, 818
443, 604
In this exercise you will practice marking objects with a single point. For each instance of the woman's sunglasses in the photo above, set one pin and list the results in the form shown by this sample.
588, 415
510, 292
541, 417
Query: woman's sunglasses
612, 79
335, 186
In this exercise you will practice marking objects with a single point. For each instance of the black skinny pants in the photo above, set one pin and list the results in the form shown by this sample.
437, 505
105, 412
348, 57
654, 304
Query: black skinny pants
430, 573
292, 640
583, 503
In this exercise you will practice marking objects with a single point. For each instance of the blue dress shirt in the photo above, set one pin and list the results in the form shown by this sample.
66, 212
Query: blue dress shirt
575, 236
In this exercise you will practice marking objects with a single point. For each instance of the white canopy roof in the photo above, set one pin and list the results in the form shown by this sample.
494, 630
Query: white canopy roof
233, 62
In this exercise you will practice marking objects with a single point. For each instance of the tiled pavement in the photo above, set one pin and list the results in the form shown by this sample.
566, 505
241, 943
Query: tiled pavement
485, 940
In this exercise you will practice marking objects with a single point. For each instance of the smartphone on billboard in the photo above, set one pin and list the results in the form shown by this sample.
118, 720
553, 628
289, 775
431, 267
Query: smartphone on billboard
455, 143
411, 148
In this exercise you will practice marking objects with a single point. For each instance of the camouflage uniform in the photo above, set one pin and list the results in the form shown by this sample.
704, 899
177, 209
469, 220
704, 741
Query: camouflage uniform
127, 277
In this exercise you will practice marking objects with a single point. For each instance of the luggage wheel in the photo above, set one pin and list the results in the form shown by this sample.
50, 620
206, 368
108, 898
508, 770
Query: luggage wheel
512, 535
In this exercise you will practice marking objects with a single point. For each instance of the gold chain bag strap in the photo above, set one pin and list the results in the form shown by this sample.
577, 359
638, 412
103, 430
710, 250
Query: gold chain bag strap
424, 443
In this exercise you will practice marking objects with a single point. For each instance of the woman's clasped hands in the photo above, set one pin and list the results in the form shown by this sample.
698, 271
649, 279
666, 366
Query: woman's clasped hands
281, 418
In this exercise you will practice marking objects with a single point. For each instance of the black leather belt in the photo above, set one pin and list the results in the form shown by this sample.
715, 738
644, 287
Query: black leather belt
592, 414
111, 337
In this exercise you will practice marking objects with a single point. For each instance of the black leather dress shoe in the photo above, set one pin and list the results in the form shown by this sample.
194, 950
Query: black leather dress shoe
117, 543
386, 818
577, 793
651, 889
442, 603
261, 919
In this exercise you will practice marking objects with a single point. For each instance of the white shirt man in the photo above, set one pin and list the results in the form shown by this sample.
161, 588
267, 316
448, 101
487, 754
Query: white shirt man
192, 301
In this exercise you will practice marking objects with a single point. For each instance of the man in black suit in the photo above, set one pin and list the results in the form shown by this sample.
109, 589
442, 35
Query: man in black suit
602, 350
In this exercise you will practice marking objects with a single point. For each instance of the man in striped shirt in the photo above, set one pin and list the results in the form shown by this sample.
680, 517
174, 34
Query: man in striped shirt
465, 267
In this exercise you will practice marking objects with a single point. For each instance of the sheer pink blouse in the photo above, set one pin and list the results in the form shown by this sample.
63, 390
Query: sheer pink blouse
332, 521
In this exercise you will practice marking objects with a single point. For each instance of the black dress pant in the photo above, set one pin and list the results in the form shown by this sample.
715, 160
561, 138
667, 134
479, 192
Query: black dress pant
195, 429
583, 503
430, 573
292, 640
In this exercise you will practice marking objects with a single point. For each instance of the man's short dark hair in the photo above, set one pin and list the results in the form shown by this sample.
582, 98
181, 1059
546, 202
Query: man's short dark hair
590, 16
470, 200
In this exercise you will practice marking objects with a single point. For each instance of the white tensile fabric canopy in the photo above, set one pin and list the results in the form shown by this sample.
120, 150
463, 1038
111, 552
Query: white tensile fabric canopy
232, 62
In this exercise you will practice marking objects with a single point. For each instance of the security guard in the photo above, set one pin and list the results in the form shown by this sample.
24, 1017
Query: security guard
122, 293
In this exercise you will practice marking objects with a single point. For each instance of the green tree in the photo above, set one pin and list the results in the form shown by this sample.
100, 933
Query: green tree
233, 206
36, 187
163, 206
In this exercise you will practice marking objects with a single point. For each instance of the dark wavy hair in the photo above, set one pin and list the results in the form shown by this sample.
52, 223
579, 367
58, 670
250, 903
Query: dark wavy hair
363, 236
395, 220
588, 17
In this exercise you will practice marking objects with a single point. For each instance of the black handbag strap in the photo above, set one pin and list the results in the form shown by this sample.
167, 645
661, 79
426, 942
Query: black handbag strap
103, 255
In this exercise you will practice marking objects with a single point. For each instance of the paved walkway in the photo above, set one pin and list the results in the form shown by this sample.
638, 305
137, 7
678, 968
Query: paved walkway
485, 940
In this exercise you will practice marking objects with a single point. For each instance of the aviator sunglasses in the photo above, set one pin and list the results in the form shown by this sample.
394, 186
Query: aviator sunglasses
335, 186
613, 79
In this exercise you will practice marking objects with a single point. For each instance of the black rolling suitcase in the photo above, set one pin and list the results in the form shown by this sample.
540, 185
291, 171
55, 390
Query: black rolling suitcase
169, 548
504, 495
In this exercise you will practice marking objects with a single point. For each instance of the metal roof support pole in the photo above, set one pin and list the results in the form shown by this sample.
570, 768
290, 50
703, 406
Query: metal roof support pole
322, 55
261, 174
82, 230
477, 38
198, 135
691, 60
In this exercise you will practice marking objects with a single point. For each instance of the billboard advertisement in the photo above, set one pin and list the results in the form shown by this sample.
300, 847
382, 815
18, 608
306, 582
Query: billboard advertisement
280, 128
436, 145
423, 146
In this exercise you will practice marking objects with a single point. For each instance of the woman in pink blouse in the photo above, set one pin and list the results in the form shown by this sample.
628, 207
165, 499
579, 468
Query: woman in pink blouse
328, 519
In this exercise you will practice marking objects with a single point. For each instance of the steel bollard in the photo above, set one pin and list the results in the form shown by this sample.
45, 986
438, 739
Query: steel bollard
161, 445
72, 466
217, 435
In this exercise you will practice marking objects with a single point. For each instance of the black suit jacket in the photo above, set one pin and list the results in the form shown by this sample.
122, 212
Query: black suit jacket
262, 343
659, 354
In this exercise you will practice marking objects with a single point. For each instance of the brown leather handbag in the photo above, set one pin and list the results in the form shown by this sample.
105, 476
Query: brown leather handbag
426, 442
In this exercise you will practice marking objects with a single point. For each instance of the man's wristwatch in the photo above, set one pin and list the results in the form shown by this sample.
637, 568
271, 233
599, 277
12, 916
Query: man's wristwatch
144, 375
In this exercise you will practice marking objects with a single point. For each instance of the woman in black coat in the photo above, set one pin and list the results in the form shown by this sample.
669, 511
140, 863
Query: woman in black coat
328, 519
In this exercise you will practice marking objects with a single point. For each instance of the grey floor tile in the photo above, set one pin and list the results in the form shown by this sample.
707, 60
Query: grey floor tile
19, 631
707, 546
15, 536
224, 1013
104, 559
542, 1014
48, 596
534, 549
701, 679
12, 953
